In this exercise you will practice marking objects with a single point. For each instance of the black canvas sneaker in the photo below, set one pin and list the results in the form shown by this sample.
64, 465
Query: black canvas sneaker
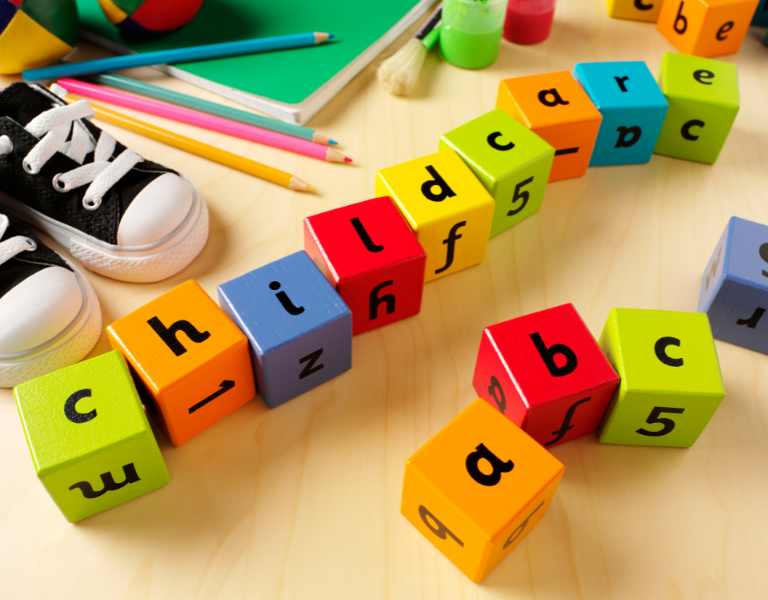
118, 214
49, 313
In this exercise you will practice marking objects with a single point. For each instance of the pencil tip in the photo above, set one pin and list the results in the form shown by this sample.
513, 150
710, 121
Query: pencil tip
310, 188
333, 142
347, 159
331, 36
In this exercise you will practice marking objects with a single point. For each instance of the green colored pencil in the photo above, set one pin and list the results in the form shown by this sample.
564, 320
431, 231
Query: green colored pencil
211, 108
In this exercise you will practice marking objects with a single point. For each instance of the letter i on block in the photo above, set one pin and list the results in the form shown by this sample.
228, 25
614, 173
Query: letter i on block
299, 328
638, 10
478, 487
734, 288
370, 255
546, 373
703, 96
89, 437
192, 365
445, 205
556, 108
511, 161
670, 377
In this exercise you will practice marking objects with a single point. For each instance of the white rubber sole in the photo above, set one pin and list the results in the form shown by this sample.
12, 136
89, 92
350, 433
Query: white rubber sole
143, 264
67, 348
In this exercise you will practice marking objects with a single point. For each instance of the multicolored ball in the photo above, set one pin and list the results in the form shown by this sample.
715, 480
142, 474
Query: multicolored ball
149, 18
36, 33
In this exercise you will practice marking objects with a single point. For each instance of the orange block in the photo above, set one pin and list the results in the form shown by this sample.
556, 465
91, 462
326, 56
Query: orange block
478, 487
557, 109
706, 27
192, 365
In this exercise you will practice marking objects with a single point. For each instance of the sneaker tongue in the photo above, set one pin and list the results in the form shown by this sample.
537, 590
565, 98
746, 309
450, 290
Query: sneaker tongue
22, 102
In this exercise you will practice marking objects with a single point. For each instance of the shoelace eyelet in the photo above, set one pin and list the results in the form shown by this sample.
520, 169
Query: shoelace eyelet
6, 145
32, 244
27, 168
90, 205
58, 185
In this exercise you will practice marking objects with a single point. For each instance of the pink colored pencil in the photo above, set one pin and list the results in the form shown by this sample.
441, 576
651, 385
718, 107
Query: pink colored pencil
193, 117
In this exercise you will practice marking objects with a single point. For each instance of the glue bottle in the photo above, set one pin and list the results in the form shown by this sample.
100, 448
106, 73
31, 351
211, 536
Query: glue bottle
471, 30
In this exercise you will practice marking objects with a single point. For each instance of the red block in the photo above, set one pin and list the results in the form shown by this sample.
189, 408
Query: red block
546, 373
370, 255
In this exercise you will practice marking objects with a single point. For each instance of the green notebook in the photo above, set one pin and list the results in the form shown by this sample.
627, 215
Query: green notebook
291, 85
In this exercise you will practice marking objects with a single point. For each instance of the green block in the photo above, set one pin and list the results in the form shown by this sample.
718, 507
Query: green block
89, 437
670, 377
703, 96
511, 161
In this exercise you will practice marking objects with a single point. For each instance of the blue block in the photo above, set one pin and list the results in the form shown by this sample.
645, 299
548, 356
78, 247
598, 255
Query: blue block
633, 109
761, 14
299, 328
734, 288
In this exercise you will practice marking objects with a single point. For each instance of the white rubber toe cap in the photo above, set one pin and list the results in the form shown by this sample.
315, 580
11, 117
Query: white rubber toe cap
38, 309
155, 212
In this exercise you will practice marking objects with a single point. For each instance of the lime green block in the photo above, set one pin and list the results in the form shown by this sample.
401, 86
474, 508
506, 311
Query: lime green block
670, 377
703, 96
89, 437
511, 161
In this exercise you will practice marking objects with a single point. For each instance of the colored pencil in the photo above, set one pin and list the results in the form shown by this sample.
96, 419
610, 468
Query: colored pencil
192, 117
194, 147
212, 108
177, 55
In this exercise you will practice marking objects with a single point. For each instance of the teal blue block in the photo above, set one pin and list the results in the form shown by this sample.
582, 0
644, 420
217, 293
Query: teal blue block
761, 14
633, 109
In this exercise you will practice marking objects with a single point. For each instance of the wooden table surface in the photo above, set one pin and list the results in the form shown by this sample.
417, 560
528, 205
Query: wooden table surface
302, 502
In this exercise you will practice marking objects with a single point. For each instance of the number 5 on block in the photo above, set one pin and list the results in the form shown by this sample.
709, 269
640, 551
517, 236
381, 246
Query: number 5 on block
670, 377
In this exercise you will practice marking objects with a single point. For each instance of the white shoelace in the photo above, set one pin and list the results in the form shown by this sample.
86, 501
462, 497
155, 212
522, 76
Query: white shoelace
12, 246
53, 127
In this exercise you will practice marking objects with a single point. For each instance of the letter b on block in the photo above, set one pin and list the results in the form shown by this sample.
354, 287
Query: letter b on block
545, 373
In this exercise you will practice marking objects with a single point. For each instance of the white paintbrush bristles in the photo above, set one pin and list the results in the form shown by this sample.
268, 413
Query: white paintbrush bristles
399, 74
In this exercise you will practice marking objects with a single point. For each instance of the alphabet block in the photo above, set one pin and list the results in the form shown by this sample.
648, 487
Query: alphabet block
555, 107
299, 328
761, 14
706, 27
734, 288
191, 364
512, 162
477, 488
545, 372
638, 10
445, 205
370, 255
703, 98
670, 377
633, 110
90, 440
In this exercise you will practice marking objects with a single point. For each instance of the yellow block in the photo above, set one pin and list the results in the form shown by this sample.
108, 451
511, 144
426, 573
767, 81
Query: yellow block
113, 13
478, 487
448, 209
26, 45
638, 10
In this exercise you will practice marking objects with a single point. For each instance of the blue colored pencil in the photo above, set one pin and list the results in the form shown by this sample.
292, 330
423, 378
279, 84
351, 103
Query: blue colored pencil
178, 55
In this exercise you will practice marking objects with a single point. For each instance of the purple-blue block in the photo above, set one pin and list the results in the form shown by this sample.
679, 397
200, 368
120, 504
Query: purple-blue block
299, 328
734, 288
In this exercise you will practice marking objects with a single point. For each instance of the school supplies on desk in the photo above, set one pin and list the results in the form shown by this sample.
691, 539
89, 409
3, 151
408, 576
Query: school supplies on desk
191, 117
291, 85
178, 55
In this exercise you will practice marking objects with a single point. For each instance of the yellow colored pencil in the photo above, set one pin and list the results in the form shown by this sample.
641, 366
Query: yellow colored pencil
198, 148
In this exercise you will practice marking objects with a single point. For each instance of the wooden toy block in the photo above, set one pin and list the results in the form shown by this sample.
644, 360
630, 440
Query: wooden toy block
670, 377
192, 365
445, 205
545, 372
299, 328
477, 488
761, 14
556, 108
511, 161
637, 10
703, 98
633, 110
706, 27
734, 288
90, 440
370, 255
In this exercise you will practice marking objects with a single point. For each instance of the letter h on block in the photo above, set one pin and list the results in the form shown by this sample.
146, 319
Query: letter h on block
477, 488
546, 373
370, 255
299, 328
190, 362
89, 437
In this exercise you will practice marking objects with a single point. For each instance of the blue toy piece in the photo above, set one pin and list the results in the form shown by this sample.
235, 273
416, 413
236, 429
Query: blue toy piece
633, 109
761, 14
299, 328
734, 288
